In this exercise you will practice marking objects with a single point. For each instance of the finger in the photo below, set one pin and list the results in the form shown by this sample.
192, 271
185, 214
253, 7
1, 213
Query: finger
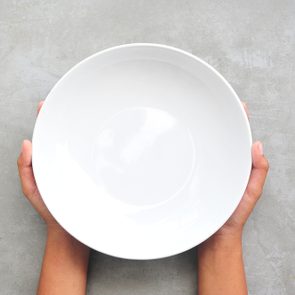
255, 184
40, 104
25, 169
246, 108
258, 175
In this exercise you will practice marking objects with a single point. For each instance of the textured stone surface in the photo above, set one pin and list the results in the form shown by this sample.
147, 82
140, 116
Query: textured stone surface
252, 43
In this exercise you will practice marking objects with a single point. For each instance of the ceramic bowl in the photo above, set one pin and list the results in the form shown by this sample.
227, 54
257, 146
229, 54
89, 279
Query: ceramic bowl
142, 151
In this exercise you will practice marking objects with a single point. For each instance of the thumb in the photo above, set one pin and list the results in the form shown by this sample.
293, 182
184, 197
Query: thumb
25, 169
259, 172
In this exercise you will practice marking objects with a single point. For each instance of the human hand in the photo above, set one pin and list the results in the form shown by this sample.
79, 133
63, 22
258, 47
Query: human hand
28, 182
220, 258
65, 262
232, 230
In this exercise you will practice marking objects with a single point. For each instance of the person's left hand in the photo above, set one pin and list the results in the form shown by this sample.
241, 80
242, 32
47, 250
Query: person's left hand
28, 182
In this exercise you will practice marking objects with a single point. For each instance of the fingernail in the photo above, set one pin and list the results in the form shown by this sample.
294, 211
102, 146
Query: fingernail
23, 145
260, 147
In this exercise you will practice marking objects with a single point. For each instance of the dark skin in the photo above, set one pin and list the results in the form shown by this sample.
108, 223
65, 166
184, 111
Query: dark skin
220, 258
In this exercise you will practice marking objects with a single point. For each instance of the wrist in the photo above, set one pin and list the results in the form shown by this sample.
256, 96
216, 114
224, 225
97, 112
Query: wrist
66, 243
222, 243
55, 228
220, 265
58, 233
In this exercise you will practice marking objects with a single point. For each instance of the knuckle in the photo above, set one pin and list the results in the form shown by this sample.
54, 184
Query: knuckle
265, 165
26, 192
259, 192
255, 192
18, 162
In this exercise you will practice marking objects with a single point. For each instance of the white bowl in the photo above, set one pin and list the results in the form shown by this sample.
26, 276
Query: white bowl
142, 151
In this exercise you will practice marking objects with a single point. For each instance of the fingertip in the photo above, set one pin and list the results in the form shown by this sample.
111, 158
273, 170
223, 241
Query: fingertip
22, 147
26, 144
40, 104
259, 147
246, 108
259, 160
26, 152
256, 151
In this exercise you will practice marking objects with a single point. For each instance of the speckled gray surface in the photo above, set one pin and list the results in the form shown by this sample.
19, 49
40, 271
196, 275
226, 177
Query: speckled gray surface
252, 43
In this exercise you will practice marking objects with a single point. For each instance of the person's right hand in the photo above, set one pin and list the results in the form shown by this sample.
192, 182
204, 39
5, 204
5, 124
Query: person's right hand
232, 230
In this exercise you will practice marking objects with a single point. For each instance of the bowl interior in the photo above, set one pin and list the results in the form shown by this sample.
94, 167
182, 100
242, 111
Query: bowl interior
142, 151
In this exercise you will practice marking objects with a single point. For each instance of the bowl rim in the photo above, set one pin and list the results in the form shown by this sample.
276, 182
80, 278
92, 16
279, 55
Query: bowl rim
167, 47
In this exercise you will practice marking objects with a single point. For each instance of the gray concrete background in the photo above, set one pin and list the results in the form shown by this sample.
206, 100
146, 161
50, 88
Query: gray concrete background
252, 43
